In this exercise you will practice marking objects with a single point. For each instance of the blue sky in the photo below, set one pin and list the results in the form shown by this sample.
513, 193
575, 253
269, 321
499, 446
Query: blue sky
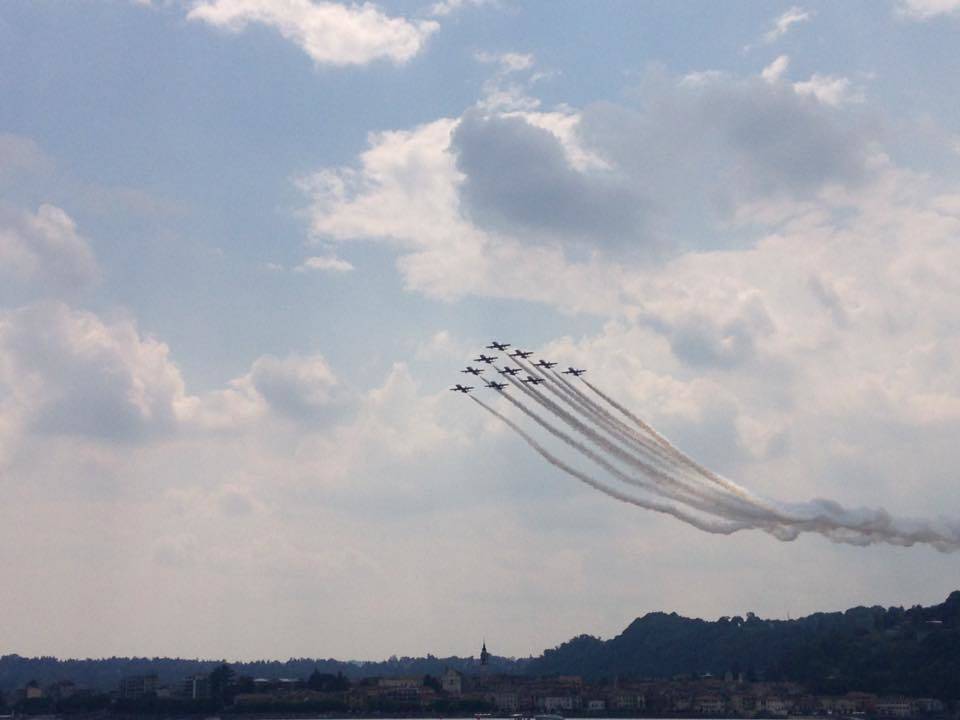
246, 244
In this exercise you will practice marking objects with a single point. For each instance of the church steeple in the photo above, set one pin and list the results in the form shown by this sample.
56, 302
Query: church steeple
484, 655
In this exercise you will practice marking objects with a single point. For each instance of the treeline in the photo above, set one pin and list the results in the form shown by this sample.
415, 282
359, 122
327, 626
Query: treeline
912, 652
106, 673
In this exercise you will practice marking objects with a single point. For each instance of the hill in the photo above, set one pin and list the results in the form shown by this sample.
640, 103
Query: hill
886, 650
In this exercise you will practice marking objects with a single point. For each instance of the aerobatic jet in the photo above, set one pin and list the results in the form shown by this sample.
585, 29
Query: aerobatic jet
521, 354
534, 380
508, 371
494, 345
472, 370
462, 388
485, 358
573, 371
499, 387
544, 364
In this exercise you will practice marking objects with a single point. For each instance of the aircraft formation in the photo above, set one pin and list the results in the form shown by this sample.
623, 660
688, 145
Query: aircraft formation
640, 466
508, 370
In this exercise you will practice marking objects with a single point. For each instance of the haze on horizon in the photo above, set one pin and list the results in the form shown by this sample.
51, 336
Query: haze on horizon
245, 245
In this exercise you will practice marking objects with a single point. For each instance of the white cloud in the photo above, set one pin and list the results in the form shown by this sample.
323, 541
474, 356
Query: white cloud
508, 62
325, 264
303, 389
775, 70
330, 33
927, 9
405, 192
829, 89
504, 91
701, 78
439, 195
782, 24
43, 253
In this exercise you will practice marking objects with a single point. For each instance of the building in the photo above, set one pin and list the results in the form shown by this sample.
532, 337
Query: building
777, 705
400, 689
894, 707
505, 701
553, 703
928, 705
709, 704
135, 687
195, 687
452, 682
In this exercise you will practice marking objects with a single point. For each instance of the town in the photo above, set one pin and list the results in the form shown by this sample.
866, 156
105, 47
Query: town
458, 694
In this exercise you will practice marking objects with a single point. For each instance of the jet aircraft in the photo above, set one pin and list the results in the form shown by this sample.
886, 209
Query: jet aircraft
544, 364
472, 370
494, 345
508, 371
499, 387
462, 388
485, 358
534, 380
573, 371
521, 354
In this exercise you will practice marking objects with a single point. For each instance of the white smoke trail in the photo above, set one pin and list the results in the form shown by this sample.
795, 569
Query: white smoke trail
705, 503
723, 528
685, 459
689, 490
671, 472
662, 460
614, 429
863, 526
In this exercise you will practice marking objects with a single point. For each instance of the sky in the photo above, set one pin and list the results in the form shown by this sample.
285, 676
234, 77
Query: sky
246, 245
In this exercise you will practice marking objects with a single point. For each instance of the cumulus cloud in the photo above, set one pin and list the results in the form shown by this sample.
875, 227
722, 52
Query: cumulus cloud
300, 387
517, 179
43, 253
67, 372
500, 203
404, 191
330, 33
296, 388
746, 137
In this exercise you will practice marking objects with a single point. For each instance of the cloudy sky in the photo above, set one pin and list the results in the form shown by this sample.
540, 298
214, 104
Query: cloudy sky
246, 244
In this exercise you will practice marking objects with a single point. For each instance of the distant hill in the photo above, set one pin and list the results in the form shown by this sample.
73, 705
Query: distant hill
885, 650
914, 652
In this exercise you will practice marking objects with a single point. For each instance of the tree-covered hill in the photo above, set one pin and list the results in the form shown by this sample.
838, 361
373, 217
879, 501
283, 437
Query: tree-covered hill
892, 650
